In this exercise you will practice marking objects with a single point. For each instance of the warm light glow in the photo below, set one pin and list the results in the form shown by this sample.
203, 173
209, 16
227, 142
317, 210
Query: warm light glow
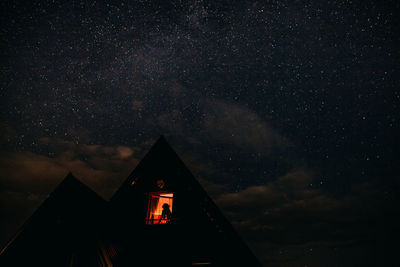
159, 208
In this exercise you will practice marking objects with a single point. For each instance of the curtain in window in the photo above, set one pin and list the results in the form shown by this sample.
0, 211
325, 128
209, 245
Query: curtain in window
153, 209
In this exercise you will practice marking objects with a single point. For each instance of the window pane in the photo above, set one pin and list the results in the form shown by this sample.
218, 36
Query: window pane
159, 208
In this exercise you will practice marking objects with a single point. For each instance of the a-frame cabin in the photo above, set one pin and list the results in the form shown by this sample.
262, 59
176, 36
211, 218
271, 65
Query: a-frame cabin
160, 216
63, 231
167, 218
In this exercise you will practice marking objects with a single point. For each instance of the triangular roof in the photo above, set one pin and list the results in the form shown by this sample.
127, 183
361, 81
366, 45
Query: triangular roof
161, 161
58, 230
195, 214
75, 226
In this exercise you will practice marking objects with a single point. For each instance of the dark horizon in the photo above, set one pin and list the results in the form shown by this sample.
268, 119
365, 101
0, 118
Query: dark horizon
286, 112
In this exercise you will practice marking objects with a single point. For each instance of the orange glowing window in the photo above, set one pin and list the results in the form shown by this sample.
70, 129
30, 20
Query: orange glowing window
159, 209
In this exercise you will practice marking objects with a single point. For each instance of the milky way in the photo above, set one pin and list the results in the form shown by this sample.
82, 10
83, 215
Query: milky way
286, 111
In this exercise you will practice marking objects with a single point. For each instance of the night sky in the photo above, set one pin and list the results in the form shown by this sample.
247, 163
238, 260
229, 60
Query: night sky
287, 112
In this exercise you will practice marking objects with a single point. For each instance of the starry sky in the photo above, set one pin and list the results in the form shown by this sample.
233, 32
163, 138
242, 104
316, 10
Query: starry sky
287, 112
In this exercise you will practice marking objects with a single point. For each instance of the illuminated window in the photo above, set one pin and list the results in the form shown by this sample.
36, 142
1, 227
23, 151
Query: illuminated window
159, 210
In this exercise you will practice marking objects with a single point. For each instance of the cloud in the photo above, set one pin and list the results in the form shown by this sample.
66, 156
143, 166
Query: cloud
27, 177
124, 152
288, 210
292, 225
256, 197
283, 192
235, 124
138, 105
296, 184
101, 167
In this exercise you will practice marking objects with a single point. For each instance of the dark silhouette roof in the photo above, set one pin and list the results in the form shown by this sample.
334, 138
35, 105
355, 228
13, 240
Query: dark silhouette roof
76, 225
58, 229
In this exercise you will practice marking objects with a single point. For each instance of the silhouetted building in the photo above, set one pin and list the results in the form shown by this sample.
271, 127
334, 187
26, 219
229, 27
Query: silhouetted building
160, 216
